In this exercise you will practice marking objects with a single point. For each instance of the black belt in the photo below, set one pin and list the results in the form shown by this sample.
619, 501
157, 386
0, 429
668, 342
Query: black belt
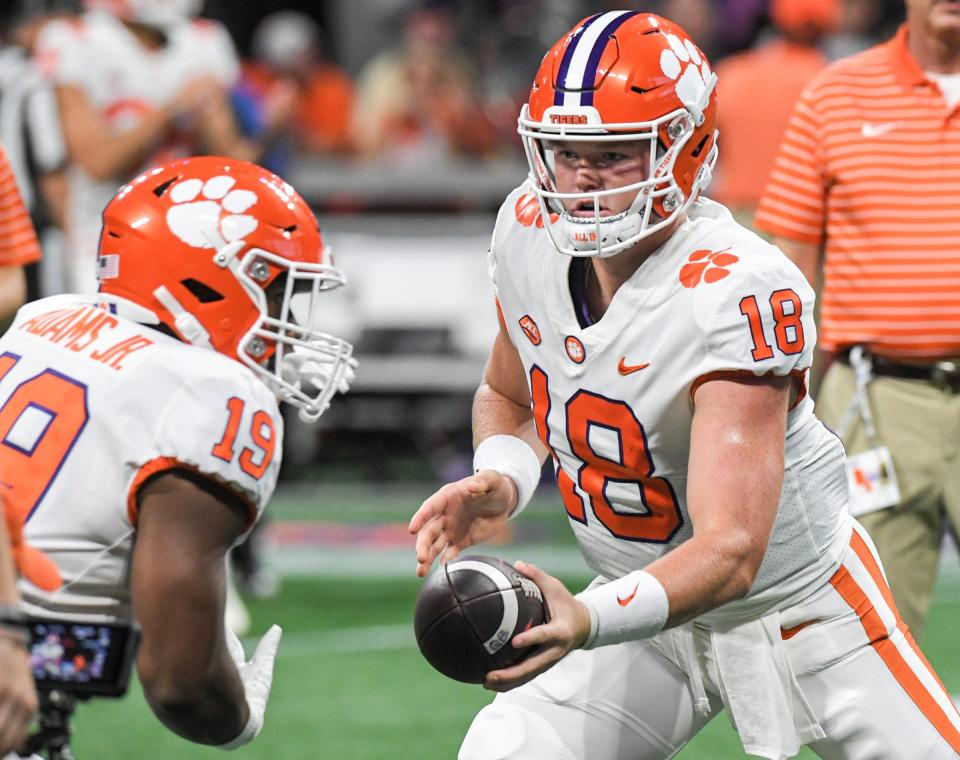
945, 375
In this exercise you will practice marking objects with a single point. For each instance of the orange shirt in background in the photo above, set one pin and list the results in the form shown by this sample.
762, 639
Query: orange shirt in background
324, 106
757, 90
18, 241
870, 169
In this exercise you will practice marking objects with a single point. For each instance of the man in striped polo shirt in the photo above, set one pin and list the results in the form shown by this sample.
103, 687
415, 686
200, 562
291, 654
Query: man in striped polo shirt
866, 183
18, 243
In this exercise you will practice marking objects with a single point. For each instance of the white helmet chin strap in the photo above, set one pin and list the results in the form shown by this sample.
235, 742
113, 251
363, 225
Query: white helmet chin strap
185, 322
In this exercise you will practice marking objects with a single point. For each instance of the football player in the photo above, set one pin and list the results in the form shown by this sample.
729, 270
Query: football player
140, 429
138, 83
658, 353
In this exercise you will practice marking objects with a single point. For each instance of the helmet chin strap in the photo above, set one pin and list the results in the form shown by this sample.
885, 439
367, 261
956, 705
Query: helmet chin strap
185, 322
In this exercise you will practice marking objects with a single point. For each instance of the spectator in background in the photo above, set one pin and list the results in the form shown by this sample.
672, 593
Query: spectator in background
306, 101
866, 187
18, 244
31, 133
137, 83
862, 25
417, 103
760, 88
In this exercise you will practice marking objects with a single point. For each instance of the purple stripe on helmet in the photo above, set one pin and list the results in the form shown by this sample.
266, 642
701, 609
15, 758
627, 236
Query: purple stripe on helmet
590, 74
567, 57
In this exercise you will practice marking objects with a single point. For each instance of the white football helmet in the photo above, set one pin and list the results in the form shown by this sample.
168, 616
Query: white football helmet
615, 77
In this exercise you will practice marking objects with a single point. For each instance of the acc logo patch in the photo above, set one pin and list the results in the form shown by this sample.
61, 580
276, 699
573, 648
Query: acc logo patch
706, 266
530, 329
575, 349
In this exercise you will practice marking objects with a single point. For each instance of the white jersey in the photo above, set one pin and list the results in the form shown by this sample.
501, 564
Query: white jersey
124, 82
92, 405
613, 401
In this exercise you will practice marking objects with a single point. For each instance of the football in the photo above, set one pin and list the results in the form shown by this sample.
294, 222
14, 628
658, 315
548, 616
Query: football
468, 612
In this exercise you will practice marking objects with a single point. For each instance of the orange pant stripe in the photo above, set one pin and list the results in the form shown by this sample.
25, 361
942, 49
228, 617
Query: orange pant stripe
851, 592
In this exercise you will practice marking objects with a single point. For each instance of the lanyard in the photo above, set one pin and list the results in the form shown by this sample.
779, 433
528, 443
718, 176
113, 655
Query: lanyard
862, 366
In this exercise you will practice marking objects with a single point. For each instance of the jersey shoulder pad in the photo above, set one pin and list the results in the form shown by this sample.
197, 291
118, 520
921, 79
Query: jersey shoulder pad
753, 307
221, 421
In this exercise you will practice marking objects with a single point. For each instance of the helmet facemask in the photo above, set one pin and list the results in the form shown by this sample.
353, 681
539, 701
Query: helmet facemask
303, 365
659, 198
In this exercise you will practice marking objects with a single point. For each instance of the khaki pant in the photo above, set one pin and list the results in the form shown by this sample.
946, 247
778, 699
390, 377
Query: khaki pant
920, 424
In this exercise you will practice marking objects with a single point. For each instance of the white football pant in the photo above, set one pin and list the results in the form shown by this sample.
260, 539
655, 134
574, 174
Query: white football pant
870, 687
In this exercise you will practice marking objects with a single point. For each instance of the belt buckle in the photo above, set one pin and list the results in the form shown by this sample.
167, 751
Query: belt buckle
946, 376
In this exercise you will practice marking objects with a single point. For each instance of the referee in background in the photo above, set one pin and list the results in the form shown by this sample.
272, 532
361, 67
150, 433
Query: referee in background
31, 135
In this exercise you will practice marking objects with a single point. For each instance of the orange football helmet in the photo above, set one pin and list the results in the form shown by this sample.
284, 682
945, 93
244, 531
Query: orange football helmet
622, 76
228, 256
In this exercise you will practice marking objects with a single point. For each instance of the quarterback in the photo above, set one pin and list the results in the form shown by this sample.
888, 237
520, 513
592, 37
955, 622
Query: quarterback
140, 434
657, 352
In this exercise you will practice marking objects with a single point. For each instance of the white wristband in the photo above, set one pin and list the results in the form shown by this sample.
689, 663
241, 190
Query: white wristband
513, 457
628, 608
249, 733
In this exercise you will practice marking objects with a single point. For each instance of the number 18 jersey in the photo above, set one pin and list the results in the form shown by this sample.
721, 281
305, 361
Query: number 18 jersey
614, 401
92, 405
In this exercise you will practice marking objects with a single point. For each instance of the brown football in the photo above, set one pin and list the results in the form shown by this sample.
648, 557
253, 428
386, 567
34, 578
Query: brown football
468, 612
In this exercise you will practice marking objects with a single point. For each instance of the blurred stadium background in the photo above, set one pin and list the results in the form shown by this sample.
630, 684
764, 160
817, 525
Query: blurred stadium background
407, 202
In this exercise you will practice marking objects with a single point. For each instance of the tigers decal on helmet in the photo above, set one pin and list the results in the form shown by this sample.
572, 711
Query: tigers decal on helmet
615, 77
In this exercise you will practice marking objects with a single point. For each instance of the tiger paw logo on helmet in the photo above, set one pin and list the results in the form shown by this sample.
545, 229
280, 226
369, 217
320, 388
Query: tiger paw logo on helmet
210, 214
684, 64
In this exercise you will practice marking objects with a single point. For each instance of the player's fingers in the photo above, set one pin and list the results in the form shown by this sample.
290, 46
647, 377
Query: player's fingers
519, 674
438, 547
430, 542
432, 507
533, 572
266, 651
451, 553
483, 482
13, 725
539, 635
426, 538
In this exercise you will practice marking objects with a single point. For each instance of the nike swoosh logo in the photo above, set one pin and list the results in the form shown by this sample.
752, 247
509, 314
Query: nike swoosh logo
877, 130
788, 633
626, 600
628, 369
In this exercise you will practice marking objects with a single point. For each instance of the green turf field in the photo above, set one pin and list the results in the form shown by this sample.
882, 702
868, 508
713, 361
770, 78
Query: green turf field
350, 683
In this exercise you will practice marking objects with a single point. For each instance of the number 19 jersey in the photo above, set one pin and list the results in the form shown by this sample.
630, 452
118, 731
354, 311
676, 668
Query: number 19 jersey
91, 406
614, 401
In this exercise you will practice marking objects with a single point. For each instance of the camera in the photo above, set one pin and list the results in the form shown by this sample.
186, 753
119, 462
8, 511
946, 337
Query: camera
74, 660
83, 659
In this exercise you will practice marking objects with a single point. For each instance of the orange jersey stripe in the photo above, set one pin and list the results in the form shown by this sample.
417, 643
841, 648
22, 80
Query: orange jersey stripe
166, 464
868, 168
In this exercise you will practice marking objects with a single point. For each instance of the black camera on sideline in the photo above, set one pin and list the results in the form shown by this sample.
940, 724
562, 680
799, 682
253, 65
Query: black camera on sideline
85, 659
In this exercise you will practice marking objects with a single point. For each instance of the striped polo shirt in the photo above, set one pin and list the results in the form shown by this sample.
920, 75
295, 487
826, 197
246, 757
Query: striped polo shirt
870, 167
18, 241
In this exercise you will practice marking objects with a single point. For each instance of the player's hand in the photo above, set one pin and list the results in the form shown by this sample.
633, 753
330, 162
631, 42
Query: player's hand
195, 96
567, 629
461, 514
256, 674
18, 697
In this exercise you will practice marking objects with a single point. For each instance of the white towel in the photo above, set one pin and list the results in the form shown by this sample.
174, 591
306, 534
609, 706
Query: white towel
759, 689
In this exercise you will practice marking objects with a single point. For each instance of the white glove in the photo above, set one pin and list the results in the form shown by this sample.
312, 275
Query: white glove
301, 368
257, 677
